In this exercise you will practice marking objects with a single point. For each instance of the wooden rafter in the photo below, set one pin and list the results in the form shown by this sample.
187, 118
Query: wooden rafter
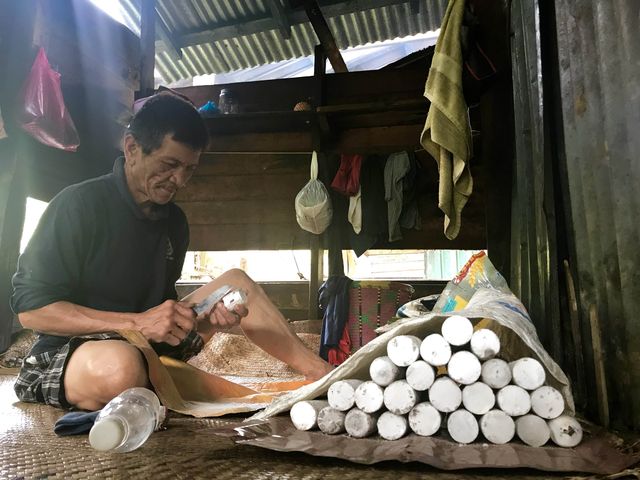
279, 15
166, 37
328, 42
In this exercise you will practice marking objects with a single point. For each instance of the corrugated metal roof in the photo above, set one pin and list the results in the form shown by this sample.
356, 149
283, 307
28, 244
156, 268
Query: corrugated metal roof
186, 19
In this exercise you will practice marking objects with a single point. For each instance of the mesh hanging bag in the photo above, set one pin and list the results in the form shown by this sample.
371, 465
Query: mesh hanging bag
313, 205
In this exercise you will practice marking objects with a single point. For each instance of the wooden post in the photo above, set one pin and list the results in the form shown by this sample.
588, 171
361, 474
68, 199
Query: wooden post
315, 278
147, 47
12, 209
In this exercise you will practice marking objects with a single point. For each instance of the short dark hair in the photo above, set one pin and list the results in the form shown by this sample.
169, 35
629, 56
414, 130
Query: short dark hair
165, 113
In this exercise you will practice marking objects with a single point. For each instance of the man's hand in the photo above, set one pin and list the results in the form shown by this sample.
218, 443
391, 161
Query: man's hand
222, 319
169, 322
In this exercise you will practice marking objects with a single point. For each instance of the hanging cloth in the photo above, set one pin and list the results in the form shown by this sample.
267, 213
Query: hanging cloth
347, 179
334, 300
447, 133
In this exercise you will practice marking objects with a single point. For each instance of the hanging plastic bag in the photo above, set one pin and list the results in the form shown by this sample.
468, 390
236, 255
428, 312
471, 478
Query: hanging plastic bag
44, 115
313, 205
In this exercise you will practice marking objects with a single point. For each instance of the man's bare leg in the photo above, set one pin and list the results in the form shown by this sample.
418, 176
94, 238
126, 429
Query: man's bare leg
266, 326
102, 369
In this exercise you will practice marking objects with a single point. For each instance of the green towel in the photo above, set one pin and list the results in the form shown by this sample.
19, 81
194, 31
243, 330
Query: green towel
447, 133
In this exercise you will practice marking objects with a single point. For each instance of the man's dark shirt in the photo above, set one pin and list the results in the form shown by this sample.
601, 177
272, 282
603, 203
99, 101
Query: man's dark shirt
95, 247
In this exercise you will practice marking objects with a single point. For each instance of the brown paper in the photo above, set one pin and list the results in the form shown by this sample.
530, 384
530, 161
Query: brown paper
596, 454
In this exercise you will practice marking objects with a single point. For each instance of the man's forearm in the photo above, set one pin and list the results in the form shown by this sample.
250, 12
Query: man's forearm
68, 319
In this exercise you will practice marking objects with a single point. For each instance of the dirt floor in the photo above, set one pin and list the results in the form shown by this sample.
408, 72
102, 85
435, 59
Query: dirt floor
187, 449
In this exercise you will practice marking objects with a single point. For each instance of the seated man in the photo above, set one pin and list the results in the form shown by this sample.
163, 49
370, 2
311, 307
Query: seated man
105, 257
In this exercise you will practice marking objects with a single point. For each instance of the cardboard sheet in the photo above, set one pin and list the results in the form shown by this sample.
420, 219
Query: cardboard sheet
596, 454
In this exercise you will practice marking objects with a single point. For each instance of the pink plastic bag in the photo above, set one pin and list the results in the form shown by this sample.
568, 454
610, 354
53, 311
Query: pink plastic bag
44, 115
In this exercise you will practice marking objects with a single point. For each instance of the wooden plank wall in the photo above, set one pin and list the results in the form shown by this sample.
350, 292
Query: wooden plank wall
246, 202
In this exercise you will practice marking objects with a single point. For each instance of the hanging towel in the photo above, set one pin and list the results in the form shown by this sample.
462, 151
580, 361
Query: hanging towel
334, 300
355, 211
395, 169
347, 179
447, 133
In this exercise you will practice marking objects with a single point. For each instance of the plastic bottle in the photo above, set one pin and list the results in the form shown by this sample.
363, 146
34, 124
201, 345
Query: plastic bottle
126, 421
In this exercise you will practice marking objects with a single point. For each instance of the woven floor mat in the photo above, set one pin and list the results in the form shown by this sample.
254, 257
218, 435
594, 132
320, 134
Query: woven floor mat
228, 354
186, 450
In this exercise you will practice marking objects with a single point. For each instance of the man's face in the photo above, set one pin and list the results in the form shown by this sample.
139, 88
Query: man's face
157, 176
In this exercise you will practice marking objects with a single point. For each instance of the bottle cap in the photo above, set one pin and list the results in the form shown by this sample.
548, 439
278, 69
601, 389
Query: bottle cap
107, 434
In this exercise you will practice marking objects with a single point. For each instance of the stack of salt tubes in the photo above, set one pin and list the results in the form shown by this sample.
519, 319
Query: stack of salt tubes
409, 391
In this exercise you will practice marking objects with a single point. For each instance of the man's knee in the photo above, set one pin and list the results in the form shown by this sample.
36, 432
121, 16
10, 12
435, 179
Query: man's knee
99, 370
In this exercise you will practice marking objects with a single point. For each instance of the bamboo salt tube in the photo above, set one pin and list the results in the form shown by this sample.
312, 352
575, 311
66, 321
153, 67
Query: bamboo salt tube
532, 430
424, 419
399, 397
547, 402
304, 414
420, 375
514, 400
360, 424
485, 344
331, 420
392, 426
497, 427
403, 350
369, 397
435, 350
462, 426
445, 395
528, 373
341, 394
384, 372
496, 373
478, 398
566, 431
464, 367
457, 330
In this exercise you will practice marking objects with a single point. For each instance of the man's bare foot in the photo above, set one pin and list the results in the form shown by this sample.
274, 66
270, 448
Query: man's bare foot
319, 371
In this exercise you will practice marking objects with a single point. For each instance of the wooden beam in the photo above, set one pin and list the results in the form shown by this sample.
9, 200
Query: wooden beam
315, 278
259, 24
279, 15
325, 36
170, 46
147, 47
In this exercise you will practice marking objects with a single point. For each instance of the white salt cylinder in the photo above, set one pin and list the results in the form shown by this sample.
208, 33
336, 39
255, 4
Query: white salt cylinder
497, 427
445, 395
420, 375
528, 373
485, 344
496, 373
399, 397
532, 430
392, 426
457, 330
464, 367
462, 426
331, 420
478, 398
360, 424
369, 397
425, 419
384, 372
403, 350
341, 394
304, 414
566, 431
514, 400
547, 402
435, 350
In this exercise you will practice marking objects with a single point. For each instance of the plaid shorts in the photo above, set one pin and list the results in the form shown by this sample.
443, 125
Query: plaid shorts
41, 378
